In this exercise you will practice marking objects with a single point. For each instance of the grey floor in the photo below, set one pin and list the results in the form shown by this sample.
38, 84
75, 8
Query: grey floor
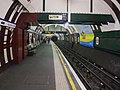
34, 73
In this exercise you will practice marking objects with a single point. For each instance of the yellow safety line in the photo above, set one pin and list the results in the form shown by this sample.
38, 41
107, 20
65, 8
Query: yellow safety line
66, 70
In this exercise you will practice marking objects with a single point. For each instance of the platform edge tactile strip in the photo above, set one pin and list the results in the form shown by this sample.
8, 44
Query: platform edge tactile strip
60, 77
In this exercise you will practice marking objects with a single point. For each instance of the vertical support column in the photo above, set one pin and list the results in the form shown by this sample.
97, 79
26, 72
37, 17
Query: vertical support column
67, 5
17, 44
91, 5
68, 10
43, 5
24, 43
48, 28
20, 36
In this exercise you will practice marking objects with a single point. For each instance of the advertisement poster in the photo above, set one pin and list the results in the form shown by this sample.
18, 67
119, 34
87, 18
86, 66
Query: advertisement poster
86, 35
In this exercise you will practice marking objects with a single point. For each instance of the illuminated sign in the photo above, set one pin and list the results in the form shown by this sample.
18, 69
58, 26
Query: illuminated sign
97, 40
55, 17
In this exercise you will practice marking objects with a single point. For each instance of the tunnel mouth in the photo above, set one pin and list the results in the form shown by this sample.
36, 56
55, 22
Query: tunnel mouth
54, 38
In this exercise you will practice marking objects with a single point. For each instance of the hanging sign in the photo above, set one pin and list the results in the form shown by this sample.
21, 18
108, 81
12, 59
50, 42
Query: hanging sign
55, 17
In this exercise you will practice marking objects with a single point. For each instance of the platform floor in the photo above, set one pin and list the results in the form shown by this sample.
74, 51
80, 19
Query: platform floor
42, 71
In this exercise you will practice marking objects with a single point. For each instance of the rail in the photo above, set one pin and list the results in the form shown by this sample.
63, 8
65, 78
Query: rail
102, 79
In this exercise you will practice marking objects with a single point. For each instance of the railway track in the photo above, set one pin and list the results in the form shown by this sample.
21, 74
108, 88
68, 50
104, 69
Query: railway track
93, 77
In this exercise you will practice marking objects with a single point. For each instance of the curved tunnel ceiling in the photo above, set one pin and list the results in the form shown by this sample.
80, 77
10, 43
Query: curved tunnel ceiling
114, 8
99, 6
81, 3
32, 6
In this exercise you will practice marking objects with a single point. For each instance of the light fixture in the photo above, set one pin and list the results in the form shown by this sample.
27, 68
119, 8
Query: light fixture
55, 25
66, 24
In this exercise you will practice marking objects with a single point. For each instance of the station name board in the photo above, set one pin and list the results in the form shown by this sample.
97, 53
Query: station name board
55, 17
7, 23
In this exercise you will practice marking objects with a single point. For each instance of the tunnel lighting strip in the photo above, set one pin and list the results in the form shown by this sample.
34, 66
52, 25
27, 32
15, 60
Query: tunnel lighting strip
73, 72
66, 70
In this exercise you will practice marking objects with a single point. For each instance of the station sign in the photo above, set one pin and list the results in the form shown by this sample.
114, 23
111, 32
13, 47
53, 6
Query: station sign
52, 18
55, 17
7, 23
